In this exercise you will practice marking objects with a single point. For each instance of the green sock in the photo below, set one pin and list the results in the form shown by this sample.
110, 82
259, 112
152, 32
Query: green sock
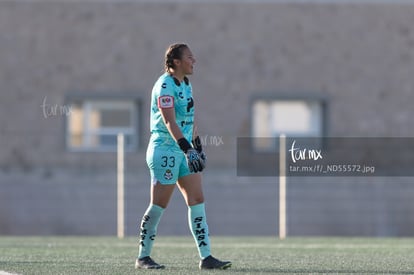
148, 231
198, 225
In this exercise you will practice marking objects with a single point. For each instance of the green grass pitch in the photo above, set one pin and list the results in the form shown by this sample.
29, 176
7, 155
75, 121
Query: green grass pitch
250, 255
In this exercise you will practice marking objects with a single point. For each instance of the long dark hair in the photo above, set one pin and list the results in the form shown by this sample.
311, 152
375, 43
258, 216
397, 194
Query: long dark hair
174, 51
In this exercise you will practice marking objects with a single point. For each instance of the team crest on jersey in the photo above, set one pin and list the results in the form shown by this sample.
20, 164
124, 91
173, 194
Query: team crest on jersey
168, 174
165, 101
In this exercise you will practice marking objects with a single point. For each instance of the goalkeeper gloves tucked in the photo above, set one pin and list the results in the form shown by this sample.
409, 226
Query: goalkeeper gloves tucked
194, 160
197, 145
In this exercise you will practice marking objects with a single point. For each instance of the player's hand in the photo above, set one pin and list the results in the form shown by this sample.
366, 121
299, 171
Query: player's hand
194, 161
198, 146
203, 160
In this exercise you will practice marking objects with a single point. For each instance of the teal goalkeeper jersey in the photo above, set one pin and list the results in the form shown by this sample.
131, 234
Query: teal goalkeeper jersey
168, 92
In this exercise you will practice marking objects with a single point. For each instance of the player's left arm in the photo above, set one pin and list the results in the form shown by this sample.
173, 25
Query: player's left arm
195, 131
196, 139
198, 145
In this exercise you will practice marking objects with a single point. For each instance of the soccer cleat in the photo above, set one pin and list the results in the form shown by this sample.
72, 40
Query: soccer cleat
147, 263
212, 263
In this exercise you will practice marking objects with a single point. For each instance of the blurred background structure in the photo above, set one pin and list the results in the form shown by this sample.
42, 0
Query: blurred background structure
73, 74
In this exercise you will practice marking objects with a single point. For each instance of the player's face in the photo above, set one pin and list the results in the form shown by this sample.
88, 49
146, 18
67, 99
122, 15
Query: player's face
187, 62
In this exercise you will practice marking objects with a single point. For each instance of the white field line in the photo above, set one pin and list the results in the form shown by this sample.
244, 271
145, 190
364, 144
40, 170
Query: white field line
6, 273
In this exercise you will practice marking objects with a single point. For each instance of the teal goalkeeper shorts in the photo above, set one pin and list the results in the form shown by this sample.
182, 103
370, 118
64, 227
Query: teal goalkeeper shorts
166, 166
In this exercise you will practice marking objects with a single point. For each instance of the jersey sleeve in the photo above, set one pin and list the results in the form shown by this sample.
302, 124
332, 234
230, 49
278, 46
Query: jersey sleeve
165, 96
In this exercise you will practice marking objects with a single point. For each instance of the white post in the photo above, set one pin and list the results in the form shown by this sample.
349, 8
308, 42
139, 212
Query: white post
282, 187
120, 186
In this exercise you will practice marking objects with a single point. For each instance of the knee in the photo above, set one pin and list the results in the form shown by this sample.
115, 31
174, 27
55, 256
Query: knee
195, 200
161, 204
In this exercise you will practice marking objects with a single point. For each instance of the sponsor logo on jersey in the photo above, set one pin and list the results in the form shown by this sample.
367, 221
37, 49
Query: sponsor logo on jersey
165, 101
190, 104
184, 123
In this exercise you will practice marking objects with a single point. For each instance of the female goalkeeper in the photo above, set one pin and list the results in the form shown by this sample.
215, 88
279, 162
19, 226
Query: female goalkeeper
175, 156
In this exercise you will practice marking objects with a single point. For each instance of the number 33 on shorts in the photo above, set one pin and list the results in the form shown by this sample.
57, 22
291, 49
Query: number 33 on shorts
168, 161
166, 167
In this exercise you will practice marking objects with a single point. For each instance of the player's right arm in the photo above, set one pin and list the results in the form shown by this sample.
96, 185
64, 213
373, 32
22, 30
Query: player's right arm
194, 160
168, 116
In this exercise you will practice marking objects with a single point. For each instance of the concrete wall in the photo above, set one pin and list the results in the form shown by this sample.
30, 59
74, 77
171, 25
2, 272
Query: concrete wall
359, 57
235, 205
